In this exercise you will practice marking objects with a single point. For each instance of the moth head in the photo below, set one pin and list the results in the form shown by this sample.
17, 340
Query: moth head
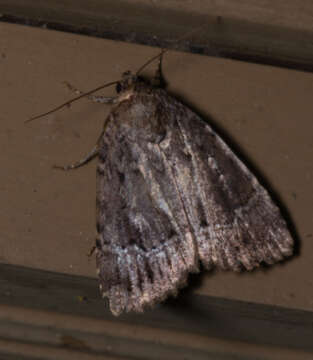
127, 81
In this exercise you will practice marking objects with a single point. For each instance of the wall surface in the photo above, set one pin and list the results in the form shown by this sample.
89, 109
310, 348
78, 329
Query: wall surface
47, 217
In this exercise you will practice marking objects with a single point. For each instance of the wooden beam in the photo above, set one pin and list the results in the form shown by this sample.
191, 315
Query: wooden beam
59, 312
278, 33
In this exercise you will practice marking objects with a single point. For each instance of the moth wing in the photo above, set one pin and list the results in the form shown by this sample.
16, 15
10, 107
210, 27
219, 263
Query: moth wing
232, 217
166, 202
144, 247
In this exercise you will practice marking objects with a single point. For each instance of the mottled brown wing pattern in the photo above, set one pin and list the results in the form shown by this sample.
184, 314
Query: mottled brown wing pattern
169, 194
144, 247
233, 219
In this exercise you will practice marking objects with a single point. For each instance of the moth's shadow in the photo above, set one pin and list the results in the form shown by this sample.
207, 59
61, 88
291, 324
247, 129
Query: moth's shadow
184, 300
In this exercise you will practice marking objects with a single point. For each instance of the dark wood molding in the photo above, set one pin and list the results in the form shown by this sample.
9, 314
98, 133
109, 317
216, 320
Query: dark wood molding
256, 31
34, 299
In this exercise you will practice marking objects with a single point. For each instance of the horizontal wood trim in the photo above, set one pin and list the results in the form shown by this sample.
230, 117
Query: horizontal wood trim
60, 312
278, 33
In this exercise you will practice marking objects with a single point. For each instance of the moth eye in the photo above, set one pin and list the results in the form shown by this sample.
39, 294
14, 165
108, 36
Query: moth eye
118, 87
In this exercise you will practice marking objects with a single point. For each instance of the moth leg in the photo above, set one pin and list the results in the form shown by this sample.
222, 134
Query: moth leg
85, 160
91, 251
93, 98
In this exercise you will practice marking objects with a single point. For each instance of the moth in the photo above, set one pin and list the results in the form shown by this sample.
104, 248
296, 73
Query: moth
171, 195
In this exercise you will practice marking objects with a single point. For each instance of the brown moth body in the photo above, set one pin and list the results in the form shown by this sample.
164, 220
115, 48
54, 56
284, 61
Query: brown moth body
172, 195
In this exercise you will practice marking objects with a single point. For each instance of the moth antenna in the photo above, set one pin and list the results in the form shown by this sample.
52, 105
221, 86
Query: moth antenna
151, 60
70, 101
163, 51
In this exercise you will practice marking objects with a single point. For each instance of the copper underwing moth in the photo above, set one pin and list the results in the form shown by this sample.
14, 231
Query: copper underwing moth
172, 196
